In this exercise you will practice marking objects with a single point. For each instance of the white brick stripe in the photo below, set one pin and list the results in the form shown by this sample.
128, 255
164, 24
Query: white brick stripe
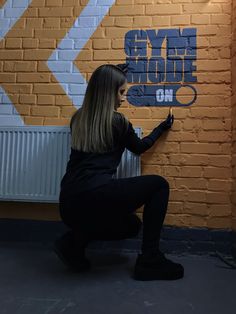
10, 14
72, 44
8, 114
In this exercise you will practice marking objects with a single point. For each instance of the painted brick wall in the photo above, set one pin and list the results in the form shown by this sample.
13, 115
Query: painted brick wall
48, 54
234, 114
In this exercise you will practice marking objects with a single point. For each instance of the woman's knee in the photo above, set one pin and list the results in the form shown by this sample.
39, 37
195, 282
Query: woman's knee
160, 182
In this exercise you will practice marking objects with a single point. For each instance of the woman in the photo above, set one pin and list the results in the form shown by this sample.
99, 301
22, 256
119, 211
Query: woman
93, 203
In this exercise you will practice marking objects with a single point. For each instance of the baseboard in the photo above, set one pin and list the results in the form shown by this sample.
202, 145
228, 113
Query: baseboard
173, 239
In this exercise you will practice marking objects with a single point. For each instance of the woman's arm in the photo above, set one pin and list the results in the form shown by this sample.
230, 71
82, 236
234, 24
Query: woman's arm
138, 146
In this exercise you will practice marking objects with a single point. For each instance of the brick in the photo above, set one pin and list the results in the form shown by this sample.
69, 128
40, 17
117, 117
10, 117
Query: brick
199, 19
224, 53
65, 11
2, 43
214, 65
220, 19
161, 20
210, 112
212, 78
123, 22
10, 54
101, 44
13, 43
33, 120
127, 2
56, 121
214, 136
180, 20
27, 99
45, 99
201, 8
53, 33
31, 12
145, 21
219, 185
7, 77
191, 183
192, 208
218, 197
171, 171
70, 3
47, 43
67, 111
175, 207
196, 196
217, 172
52, 23
226, 8
108, 21
127, 10
219, 161
18, 88
22, 33
159, 9
48, 89
192, 124
53, 3
205, 148
33, 77
117, 43
213, 100
191, 171
151, 169
22, 109
219, 222
210, 30
63, 100
114, 32
34, 23
66, 22
221, 210
30, 43
108, 55
49, 111
20, 66
220, 41
86, 55
38, 54
187, 159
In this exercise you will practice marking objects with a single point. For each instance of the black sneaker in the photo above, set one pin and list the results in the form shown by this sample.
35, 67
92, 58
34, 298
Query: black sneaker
75, 261
157, 267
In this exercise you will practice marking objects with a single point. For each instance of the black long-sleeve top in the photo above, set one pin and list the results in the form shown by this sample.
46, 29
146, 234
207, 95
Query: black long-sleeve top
86, 171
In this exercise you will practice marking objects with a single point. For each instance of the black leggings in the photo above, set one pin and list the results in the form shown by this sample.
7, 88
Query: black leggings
102, 207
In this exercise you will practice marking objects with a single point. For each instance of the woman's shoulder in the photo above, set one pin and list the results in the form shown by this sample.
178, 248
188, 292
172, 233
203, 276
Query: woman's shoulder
120, 121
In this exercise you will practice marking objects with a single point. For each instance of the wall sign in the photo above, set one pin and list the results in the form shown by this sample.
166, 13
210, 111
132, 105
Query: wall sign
160, 63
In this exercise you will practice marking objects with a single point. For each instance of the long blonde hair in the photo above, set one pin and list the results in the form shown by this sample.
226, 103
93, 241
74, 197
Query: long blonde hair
91, 125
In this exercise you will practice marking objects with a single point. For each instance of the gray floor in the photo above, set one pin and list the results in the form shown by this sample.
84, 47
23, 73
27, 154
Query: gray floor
33, 280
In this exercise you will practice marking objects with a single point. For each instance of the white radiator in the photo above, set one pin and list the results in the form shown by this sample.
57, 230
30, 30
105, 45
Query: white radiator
33, 161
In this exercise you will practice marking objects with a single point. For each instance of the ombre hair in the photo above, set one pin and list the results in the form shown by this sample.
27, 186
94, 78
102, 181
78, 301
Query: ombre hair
92, 124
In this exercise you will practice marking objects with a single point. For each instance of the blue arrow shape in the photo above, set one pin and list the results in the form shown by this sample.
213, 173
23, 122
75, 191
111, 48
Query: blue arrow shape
61, 61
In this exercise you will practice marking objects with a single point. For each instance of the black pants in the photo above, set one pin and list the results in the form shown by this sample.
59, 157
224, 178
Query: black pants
103, 208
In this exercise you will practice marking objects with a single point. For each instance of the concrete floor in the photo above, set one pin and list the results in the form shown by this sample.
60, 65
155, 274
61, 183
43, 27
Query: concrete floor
33, 280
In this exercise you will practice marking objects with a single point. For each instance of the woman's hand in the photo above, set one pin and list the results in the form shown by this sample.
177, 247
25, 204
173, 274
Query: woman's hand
167, 123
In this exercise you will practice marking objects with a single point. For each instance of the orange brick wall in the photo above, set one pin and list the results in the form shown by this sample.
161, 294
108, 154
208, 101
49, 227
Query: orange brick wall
195, 156
234, 114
